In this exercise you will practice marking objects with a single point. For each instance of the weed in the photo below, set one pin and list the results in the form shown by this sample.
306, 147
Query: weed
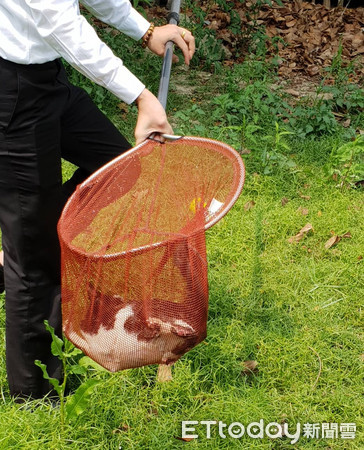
272, 155
349, 99
346, 97
339, 70
139, 3
76, 404
346, 163
314, 120
246, 133
254, 101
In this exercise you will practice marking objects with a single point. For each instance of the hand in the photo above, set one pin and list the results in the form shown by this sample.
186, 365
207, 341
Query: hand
151, 117
180, 36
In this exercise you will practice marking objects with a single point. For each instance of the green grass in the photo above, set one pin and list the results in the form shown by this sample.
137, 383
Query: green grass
296, 309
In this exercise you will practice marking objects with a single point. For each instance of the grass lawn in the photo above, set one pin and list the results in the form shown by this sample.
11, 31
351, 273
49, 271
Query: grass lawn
294, 308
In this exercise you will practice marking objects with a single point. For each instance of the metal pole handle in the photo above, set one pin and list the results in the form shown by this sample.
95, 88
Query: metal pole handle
173, 19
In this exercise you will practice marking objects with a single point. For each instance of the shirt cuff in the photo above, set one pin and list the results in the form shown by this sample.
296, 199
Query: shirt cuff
123, 78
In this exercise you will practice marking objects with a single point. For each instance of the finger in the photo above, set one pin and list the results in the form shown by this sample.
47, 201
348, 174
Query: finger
178, 40
190, 41
159, 138
154, 134
139, 140
175, 58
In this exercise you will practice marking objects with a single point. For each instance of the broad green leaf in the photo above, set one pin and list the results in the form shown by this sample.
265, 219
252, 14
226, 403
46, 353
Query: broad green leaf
285, 146
71, 350
77, 369
88, 362
54, 382
78, 403
57, 343
291, 163
68, 346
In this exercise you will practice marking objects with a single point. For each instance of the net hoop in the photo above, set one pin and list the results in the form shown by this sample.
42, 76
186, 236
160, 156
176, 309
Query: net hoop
239, 176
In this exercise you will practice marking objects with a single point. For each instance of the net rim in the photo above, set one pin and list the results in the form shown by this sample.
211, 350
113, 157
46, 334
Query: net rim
214, 219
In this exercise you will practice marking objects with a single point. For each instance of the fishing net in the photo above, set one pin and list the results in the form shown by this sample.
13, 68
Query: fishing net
134, 267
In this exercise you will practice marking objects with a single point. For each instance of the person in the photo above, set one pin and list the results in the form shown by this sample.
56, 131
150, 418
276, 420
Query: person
44, 118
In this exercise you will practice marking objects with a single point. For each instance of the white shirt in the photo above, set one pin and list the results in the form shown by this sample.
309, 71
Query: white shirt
38, 31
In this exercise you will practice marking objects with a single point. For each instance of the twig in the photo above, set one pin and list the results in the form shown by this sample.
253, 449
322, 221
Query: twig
332, 303
2, 395
345, 9
320, 367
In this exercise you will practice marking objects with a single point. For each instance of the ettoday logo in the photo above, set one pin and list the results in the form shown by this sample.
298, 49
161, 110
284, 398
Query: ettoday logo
236, 430
272, 430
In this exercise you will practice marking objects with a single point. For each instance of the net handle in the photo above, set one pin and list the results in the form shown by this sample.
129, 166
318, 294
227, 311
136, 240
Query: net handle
167, 137
173, 19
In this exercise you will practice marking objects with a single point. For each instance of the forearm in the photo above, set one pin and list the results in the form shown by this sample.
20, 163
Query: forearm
63, 28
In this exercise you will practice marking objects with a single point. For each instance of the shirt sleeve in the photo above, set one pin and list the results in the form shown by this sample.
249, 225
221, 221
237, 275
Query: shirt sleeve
119, 14
63, 28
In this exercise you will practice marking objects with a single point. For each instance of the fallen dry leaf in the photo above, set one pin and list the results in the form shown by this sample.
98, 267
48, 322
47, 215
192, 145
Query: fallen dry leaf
308, 227
332, 241
249, 367
305, 197
284, 201
319, 213
336, 238
123, 107
153, 410
184, 439
303, 231
313, 70
122, 427
249, 205
303, 211
346, 123
245, 151
164, 373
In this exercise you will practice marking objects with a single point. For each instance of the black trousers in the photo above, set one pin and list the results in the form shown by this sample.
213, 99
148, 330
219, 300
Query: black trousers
43, 118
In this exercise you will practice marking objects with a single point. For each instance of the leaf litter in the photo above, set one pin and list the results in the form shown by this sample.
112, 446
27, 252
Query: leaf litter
301, 234
337, 238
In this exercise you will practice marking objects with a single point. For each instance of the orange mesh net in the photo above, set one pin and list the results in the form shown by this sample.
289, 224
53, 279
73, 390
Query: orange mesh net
134, 267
